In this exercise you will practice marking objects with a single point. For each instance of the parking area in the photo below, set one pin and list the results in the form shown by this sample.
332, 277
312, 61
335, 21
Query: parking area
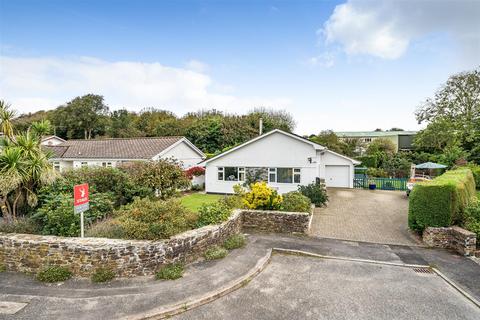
364, 215
297, 287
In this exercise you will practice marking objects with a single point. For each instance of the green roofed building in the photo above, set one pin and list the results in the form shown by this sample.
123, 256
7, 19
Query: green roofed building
402, 139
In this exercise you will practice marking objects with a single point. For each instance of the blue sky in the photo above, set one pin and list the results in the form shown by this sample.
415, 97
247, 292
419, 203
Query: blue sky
342, 65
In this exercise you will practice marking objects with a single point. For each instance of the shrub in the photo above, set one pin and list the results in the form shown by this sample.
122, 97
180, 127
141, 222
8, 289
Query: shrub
110, 228
377, 172
296, 202
194, 172
164, 177
198, 187
56, 216
232, 201
234, 242
103, 275
100, 180
21, 225
441, 202
261, 196
315, 192
3, 268
476, 174
215, 252
213, 213
472, 218
149, 219
170, 272
54, 274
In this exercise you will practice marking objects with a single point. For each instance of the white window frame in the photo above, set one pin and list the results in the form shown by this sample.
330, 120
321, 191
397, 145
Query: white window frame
296, 173
56, 165
107, 164
240, 174
84, 164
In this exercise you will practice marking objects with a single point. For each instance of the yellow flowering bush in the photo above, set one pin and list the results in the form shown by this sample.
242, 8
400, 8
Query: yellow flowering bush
262, 197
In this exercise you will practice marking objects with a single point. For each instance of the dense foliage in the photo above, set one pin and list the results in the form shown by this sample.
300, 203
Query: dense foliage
213, 213
153, 220
56, 216
235, 241
441, 202
54, 274
261, 196
315, 192
170, 272
103, 274
163, 177
212, 131
215, 252
24, 167
453, 117
471, 220
295, 202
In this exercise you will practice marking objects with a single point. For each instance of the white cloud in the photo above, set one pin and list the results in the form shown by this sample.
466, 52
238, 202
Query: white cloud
326, 60
386, 28
31, 84
197, 66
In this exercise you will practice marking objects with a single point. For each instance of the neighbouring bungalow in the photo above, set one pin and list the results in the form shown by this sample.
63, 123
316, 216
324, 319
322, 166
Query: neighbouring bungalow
113, 152
51, 141
282, 159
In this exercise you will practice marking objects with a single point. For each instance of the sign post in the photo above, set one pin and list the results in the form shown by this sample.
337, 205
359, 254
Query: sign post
80, 203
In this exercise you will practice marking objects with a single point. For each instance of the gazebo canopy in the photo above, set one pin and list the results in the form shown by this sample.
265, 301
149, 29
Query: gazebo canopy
430, 165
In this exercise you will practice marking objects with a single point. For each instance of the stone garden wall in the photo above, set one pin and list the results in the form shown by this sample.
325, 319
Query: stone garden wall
456, 238
30, 253
276, 221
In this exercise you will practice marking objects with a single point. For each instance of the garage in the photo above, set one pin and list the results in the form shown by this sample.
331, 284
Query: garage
337, 176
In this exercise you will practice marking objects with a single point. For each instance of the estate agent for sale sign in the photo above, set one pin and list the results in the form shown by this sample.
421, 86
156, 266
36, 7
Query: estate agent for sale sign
80, 202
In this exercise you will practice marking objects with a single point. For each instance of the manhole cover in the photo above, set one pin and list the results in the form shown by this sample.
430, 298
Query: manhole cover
423, 270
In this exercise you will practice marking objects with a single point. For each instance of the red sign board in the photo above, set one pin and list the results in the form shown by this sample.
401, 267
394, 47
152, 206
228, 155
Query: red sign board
80, 194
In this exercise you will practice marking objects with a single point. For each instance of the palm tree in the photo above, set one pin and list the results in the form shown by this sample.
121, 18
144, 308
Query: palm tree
41, 128
24, 168
6, 117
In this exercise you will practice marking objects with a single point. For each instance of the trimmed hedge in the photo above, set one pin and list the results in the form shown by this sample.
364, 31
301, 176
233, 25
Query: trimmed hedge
476, 174
441, 202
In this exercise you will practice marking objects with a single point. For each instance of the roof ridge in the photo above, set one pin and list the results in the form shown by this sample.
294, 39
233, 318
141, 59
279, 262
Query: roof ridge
129, 138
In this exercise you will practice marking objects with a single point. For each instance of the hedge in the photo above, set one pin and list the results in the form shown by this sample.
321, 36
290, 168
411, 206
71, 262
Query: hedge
441, 202
476, 174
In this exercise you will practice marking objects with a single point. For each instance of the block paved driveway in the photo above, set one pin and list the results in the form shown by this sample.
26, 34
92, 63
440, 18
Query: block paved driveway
377, 216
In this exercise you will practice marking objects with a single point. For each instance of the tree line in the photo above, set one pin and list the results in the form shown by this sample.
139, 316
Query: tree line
212, 131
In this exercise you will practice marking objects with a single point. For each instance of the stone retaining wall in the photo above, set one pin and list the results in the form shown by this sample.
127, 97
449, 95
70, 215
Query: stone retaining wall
456, 238
29, 253
276, 221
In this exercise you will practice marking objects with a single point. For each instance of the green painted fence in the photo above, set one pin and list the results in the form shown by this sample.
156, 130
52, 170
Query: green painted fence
362, 182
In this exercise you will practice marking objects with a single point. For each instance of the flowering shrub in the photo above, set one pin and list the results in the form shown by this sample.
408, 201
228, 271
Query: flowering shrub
194, 172
262, 197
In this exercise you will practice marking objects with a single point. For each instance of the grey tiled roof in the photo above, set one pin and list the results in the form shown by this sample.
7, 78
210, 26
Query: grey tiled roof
128, 148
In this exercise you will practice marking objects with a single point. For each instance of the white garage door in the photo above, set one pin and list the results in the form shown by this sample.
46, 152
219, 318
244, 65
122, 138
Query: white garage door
337, 176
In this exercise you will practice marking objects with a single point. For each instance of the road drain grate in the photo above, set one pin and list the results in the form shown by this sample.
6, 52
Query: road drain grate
423, 270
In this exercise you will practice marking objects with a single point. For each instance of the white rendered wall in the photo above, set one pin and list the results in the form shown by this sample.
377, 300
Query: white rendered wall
275, 150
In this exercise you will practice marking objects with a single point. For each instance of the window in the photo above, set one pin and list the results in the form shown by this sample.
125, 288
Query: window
284, 175
241, 174
231, 174
56, 166
367, 139
272, 175
84, 164
296, 175
107, 164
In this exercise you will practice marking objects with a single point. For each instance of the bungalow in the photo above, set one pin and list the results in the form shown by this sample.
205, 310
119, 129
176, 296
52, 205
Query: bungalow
51, 141
283, 159
113, 152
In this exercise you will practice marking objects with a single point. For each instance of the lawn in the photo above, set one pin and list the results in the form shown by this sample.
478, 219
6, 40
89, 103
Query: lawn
195, 200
